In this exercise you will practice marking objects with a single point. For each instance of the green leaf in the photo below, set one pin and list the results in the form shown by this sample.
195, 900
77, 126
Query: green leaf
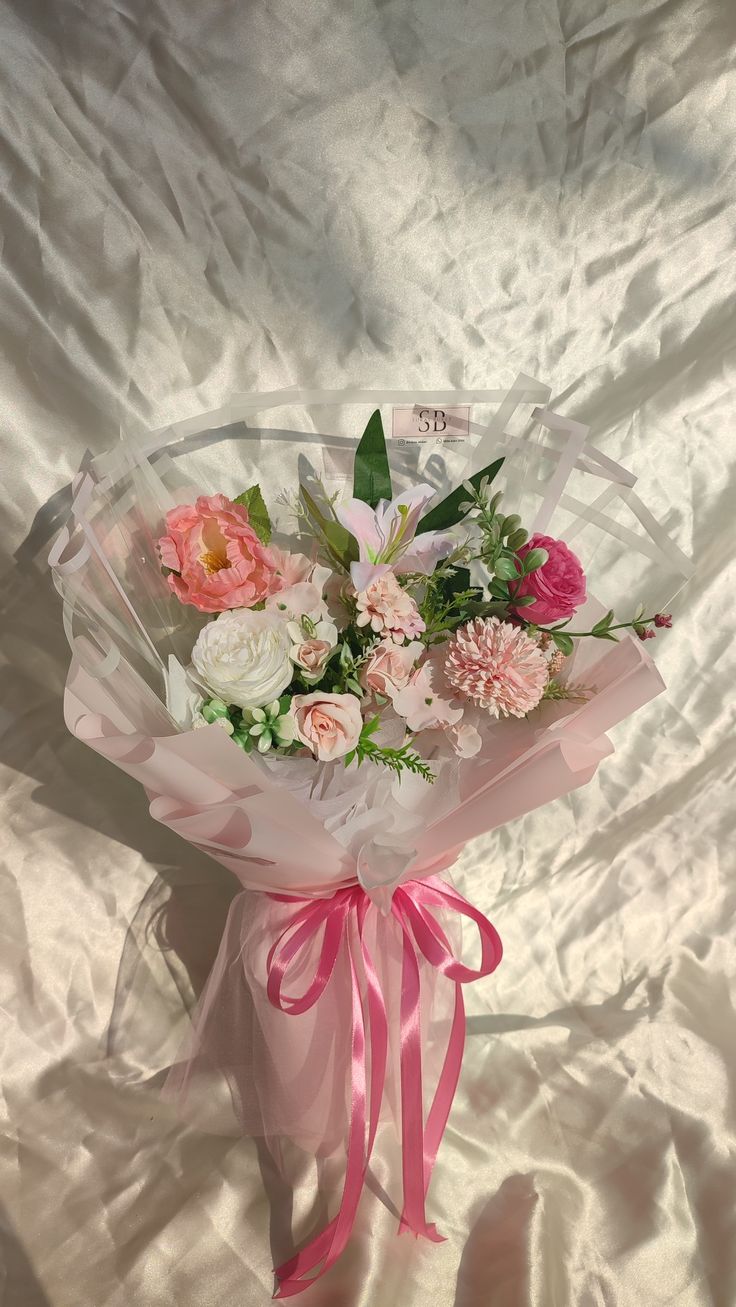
447, 513
523, 601
535, 559
506, 568
253, 501
315, 512
510, 524
371, 473
517, 539
340, 539
341, 544
564, 642
604, 623
370, 727
499, 590
605, 635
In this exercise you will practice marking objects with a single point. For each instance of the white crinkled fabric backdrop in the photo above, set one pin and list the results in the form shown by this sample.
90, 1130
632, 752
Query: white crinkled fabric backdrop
201, 199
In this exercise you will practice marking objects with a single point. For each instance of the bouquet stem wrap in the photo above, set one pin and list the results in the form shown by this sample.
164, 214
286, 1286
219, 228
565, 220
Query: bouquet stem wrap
341, 921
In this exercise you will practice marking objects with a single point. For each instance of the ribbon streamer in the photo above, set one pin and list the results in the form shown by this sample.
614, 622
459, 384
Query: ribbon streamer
342, 921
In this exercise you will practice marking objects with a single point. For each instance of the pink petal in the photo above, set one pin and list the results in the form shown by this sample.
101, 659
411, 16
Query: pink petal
360, 520
425, 553
169, 553
415, 498
361, 574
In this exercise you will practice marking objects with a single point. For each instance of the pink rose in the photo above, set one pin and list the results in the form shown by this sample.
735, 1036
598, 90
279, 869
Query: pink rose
329, 724
217, 561
389, 666
312, 655
558, 586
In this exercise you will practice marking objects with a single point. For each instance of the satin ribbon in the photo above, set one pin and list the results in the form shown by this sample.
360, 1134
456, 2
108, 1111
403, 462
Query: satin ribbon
342, 921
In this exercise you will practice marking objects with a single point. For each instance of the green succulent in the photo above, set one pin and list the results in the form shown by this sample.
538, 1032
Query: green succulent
272, 726
214, 709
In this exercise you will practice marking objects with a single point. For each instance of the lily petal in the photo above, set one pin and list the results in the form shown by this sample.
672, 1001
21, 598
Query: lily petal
413, 500
361, 574
426, 551
360, 520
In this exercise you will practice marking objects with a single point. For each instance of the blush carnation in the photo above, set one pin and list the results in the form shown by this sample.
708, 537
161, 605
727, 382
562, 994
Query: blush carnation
388, 609
215, 558
497, 666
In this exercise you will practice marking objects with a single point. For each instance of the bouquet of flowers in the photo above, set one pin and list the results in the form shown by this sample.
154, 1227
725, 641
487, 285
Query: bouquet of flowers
331, 691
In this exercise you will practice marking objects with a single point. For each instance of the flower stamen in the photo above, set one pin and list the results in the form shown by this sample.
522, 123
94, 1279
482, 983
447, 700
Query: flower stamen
212, 562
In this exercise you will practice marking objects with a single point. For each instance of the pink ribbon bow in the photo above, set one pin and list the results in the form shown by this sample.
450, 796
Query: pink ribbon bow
343, 917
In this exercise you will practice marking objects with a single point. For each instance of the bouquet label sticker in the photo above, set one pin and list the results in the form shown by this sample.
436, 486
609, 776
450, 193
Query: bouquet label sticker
430, 422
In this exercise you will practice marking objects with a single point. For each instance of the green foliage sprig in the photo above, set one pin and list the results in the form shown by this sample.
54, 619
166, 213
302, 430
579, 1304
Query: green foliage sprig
602, 630
556, 691
501, 537
398, 760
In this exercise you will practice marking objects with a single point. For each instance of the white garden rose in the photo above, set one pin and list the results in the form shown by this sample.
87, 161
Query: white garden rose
243, 657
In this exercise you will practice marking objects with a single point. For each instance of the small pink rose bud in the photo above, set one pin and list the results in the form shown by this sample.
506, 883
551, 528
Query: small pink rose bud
662, 619
645, 632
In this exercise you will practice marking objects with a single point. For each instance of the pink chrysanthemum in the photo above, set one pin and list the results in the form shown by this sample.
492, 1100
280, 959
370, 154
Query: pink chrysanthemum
389, 610
497, 666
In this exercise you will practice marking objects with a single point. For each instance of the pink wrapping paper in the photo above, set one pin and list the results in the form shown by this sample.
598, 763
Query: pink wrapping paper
297, 1079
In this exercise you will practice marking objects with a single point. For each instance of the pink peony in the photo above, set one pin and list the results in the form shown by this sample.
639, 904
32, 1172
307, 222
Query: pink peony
558, 586
217, 561
389, 666
497, 666
329, 724
426, 701
388, 609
